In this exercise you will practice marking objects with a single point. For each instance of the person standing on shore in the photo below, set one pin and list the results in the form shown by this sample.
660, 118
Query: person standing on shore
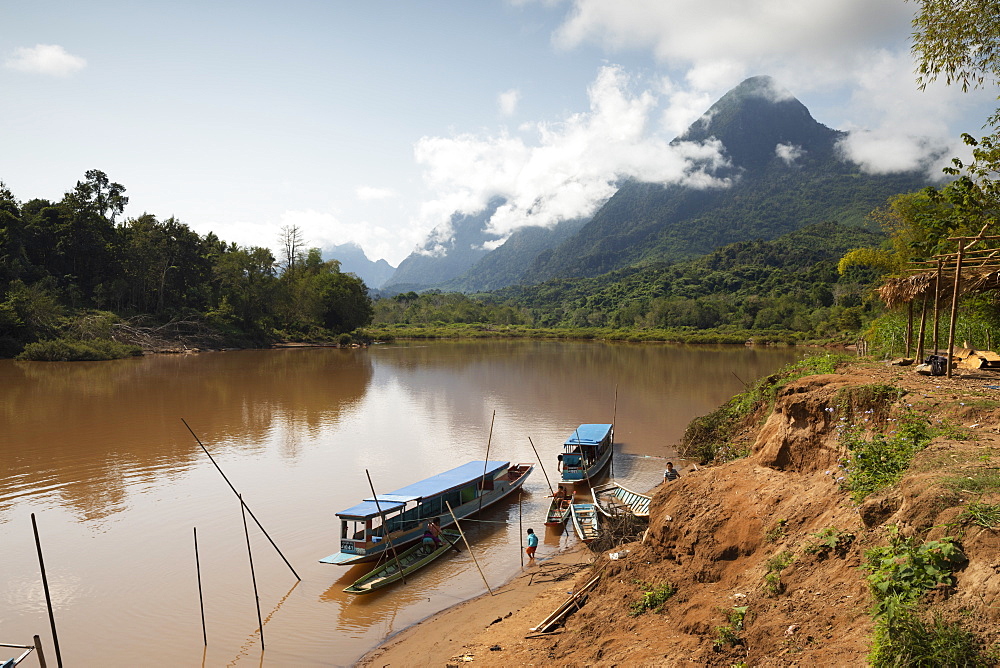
671, 473
532, 544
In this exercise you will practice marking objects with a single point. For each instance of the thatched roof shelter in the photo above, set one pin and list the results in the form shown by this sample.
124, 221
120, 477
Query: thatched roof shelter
899, 290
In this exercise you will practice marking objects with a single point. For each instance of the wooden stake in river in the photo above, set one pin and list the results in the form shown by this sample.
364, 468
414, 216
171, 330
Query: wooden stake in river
201, 599
541, 466
259, 525
468, 547
385, 528
45, 586
482, 484
253, 576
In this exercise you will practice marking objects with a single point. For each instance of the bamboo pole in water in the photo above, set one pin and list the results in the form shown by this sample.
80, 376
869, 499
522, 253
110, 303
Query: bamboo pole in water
38, 649
201, 598
45, 586
385, 528
542, 466
259, 525
520, 527
468, 547
482, 484
253, 576
614, 416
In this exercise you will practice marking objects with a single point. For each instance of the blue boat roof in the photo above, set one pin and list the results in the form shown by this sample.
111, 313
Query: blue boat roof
437, 484
588, 434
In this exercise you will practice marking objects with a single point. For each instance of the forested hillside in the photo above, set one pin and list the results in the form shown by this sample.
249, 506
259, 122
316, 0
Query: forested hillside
788, 286
72, 270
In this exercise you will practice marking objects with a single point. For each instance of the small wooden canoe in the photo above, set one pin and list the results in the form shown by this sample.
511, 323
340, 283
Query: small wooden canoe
411, 560
613, 499
584, 517
559, 511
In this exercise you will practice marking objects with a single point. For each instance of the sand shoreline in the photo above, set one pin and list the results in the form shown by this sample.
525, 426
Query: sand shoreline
459, 630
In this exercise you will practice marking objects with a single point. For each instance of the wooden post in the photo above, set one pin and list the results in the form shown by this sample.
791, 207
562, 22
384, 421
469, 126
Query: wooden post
909, 327
954, 306
542, 466
923, 328
385, 528
937, 303
482, 484
520, 527
201, 598
468, 547
45, 586
38, 649
259, 525
253, 576
614, 416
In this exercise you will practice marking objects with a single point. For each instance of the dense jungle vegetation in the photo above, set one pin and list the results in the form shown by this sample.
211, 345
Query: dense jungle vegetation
77, 283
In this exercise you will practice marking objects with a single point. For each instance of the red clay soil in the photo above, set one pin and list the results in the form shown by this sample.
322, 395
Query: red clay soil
714, 532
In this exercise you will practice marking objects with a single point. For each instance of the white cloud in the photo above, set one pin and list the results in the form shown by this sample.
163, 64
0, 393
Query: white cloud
569, 169
368, 193
50, 59
508, 101
788, 152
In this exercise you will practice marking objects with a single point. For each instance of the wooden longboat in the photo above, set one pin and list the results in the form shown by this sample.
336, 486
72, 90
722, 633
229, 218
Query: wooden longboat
613, 499
586, 452
559, 510
584, 517
400, 516
411, 560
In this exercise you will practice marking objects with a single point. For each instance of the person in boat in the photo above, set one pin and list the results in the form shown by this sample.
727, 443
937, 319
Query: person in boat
560, 493
434, 526
532, 544
671, 473
559, 461
429, 542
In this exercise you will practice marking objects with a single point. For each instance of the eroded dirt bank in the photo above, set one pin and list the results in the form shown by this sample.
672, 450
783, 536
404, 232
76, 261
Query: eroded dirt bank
766, 552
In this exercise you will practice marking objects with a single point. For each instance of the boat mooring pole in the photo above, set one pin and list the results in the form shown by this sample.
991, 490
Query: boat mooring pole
253, 576
467, 546
614, 418
542, 466
38, 648
201, 598
482, 484
385, 528
520, 527
45, 586
259, 525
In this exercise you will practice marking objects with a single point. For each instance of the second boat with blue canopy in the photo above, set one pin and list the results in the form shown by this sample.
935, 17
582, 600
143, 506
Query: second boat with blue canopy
586, 452
400, 517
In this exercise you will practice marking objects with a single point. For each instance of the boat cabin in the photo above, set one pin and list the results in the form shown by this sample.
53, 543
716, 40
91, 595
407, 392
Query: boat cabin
586, 450
408, 509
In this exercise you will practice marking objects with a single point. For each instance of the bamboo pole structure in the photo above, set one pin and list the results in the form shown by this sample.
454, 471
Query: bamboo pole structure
937, 304
201, 598
468, 547
385, 528
45, 586
253, 575
259, 525
909, 327
541, 466
614, 416
489, 440
954, 307
923, 328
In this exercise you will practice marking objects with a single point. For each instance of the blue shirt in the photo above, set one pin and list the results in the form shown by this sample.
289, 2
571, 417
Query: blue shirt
532, 540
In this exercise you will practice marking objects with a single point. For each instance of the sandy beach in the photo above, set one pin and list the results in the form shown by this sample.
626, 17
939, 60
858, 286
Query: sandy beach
479, 629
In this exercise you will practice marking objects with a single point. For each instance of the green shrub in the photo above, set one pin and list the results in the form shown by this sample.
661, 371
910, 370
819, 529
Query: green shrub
879, 460
653, 598
984, 514
830, 540
903, 570
903, 639
70, 350
772, 579
729, 634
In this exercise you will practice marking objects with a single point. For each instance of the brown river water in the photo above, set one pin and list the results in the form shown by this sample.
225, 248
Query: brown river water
100, 454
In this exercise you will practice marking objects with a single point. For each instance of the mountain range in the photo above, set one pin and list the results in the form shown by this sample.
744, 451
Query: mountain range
783, 172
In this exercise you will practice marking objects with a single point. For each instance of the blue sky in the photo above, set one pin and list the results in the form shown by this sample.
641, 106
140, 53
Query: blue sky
373, 122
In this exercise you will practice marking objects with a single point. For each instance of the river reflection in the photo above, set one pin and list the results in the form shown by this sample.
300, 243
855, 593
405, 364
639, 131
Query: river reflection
99, 452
